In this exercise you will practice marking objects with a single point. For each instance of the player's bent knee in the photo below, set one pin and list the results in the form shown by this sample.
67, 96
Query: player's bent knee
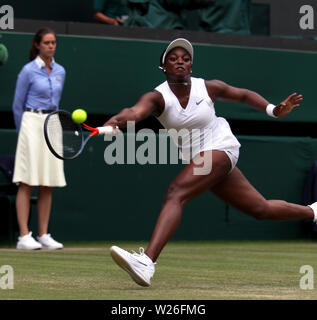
175, 193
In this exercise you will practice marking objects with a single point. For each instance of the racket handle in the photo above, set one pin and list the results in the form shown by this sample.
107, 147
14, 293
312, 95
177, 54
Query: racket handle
106, 130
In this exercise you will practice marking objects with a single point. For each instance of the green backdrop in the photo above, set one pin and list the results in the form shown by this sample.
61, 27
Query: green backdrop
122, 202
104, 75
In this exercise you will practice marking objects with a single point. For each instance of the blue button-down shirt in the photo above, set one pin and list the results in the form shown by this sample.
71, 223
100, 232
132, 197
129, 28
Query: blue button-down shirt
37, 89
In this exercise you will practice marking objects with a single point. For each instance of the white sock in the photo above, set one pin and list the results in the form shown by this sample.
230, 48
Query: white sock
314, 207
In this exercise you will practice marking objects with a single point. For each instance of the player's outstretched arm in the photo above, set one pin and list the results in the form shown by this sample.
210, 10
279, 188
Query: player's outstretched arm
151, 102
224, 92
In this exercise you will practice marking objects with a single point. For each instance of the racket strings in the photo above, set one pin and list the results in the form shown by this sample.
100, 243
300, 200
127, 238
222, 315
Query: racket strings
64, 135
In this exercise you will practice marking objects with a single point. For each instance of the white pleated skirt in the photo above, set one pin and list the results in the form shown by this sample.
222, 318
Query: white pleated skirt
35, 165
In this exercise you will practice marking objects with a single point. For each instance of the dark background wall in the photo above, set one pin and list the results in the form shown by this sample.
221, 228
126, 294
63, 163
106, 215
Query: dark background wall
274, 17
58, 10
285, 16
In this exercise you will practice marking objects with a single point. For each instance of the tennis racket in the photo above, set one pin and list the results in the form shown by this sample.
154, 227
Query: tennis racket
65, 138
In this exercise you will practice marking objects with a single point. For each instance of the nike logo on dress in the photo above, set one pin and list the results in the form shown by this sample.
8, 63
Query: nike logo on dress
197, 103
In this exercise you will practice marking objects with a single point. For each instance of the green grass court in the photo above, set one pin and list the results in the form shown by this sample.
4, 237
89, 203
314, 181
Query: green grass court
185, 270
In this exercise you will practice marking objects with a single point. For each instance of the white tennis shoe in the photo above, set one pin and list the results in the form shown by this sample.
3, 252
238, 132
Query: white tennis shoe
48, 242
138, 265
27, 242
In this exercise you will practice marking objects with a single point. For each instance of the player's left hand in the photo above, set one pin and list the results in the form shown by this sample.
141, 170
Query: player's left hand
286, 106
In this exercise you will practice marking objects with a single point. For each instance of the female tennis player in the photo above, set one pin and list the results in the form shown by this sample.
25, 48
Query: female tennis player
38, 91
186, 102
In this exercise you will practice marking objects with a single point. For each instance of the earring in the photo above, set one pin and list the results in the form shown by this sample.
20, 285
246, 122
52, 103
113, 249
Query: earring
164, 70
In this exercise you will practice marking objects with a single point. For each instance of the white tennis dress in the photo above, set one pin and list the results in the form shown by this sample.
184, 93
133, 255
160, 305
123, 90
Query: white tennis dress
200, 128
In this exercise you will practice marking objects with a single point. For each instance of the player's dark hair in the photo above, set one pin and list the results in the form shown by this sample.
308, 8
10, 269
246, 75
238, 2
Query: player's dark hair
37, 38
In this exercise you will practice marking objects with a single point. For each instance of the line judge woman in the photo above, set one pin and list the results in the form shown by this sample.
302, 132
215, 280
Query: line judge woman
187, 102
38, 91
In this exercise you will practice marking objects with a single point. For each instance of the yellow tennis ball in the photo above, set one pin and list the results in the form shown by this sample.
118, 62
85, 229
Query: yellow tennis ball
79, 115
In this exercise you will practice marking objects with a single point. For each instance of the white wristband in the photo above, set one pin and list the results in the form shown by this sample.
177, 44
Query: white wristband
269, 110
107, 130
313, 206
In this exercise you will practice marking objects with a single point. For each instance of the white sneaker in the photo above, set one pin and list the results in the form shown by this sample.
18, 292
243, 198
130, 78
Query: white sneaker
48, 242
27, 242
139, 266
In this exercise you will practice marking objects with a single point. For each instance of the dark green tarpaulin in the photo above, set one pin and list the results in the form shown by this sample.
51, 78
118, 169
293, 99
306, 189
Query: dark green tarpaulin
224, 16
